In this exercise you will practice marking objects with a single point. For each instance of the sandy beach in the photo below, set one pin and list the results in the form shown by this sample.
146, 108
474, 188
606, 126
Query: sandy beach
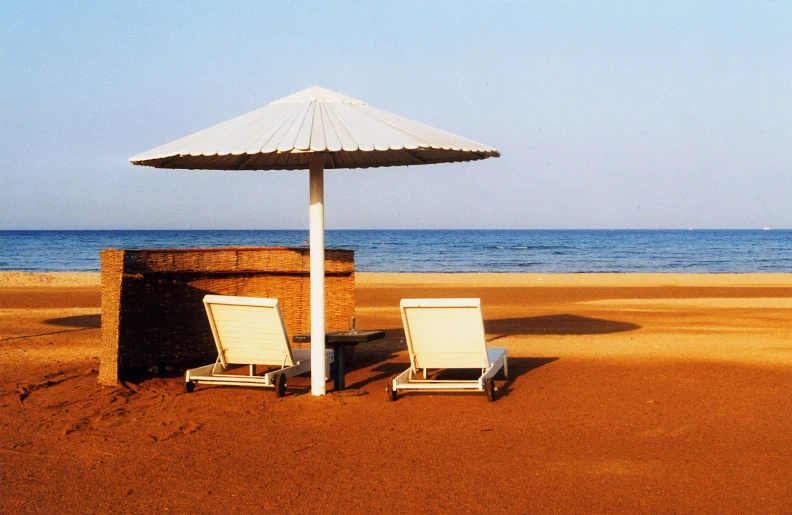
633, 393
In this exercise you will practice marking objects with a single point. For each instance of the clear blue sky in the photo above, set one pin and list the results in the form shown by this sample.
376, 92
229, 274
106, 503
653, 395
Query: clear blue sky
662, 114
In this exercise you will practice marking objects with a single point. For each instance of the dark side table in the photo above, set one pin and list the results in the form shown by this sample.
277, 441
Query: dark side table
338, 341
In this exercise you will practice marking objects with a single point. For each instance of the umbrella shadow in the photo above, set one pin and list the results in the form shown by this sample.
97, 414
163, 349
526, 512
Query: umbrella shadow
78, 321
561, 325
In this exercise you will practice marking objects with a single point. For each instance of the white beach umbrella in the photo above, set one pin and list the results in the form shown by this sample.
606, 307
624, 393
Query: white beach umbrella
314, 129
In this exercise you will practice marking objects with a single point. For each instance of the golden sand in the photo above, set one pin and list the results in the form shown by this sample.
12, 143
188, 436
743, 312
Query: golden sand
629, 393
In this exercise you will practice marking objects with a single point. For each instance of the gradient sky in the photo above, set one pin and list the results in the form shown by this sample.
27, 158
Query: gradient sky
662, 114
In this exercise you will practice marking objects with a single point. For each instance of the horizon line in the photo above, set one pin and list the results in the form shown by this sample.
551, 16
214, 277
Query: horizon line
692, 229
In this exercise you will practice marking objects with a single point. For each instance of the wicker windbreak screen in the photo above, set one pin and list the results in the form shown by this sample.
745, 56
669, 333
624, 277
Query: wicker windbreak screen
152, 300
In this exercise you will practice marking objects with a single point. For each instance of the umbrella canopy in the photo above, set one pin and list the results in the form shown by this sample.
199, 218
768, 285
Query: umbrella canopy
314, 129
281, 135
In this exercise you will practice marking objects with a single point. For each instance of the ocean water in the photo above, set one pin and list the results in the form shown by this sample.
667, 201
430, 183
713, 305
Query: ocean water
534, 251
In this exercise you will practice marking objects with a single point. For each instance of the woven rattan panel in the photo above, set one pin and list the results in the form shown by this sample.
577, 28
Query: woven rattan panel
152, 300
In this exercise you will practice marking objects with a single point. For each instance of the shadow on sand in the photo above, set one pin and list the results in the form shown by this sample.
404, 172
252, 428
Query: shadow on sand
379, 355
75, 323
556, 325
517, 368
80, 321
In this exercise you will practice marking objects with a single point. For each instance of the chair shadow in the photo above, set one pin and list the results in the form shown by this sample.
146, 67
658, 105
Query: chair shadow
519, 367
378, 355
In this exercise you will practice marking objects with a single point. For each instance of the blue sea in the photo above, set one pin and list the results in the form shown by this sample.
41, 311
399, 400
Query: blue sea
532, 251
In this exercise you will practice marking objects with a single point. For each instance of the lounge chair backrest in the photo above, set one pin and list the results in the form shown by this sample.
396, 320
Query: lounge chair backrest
444, 333
248, 330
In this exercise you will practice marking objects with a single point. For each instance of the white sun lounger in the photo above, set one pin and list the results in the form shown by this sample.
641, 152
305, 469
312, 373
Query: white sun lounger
250, 331
442, 334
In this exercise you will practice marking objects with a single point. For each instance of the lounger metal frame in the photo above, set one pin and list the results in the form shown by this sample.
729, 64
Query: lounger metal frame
295, 361
214, 374
407, 379
495, 359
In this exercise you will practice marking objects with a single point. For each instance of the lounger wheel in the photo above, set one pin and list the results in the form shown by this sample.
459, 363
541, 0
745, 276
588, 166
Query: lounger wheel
189, 386
489, 388
390, 391
280, 385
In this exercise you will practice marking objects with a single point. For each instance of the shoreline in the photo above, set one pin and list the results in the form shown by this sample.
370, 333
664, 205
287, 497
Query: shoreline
15, 278
578, 279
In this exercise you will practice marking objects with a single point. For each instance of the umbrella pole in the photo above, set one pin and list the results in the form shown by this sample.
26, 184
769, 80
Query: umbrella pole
316, 239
